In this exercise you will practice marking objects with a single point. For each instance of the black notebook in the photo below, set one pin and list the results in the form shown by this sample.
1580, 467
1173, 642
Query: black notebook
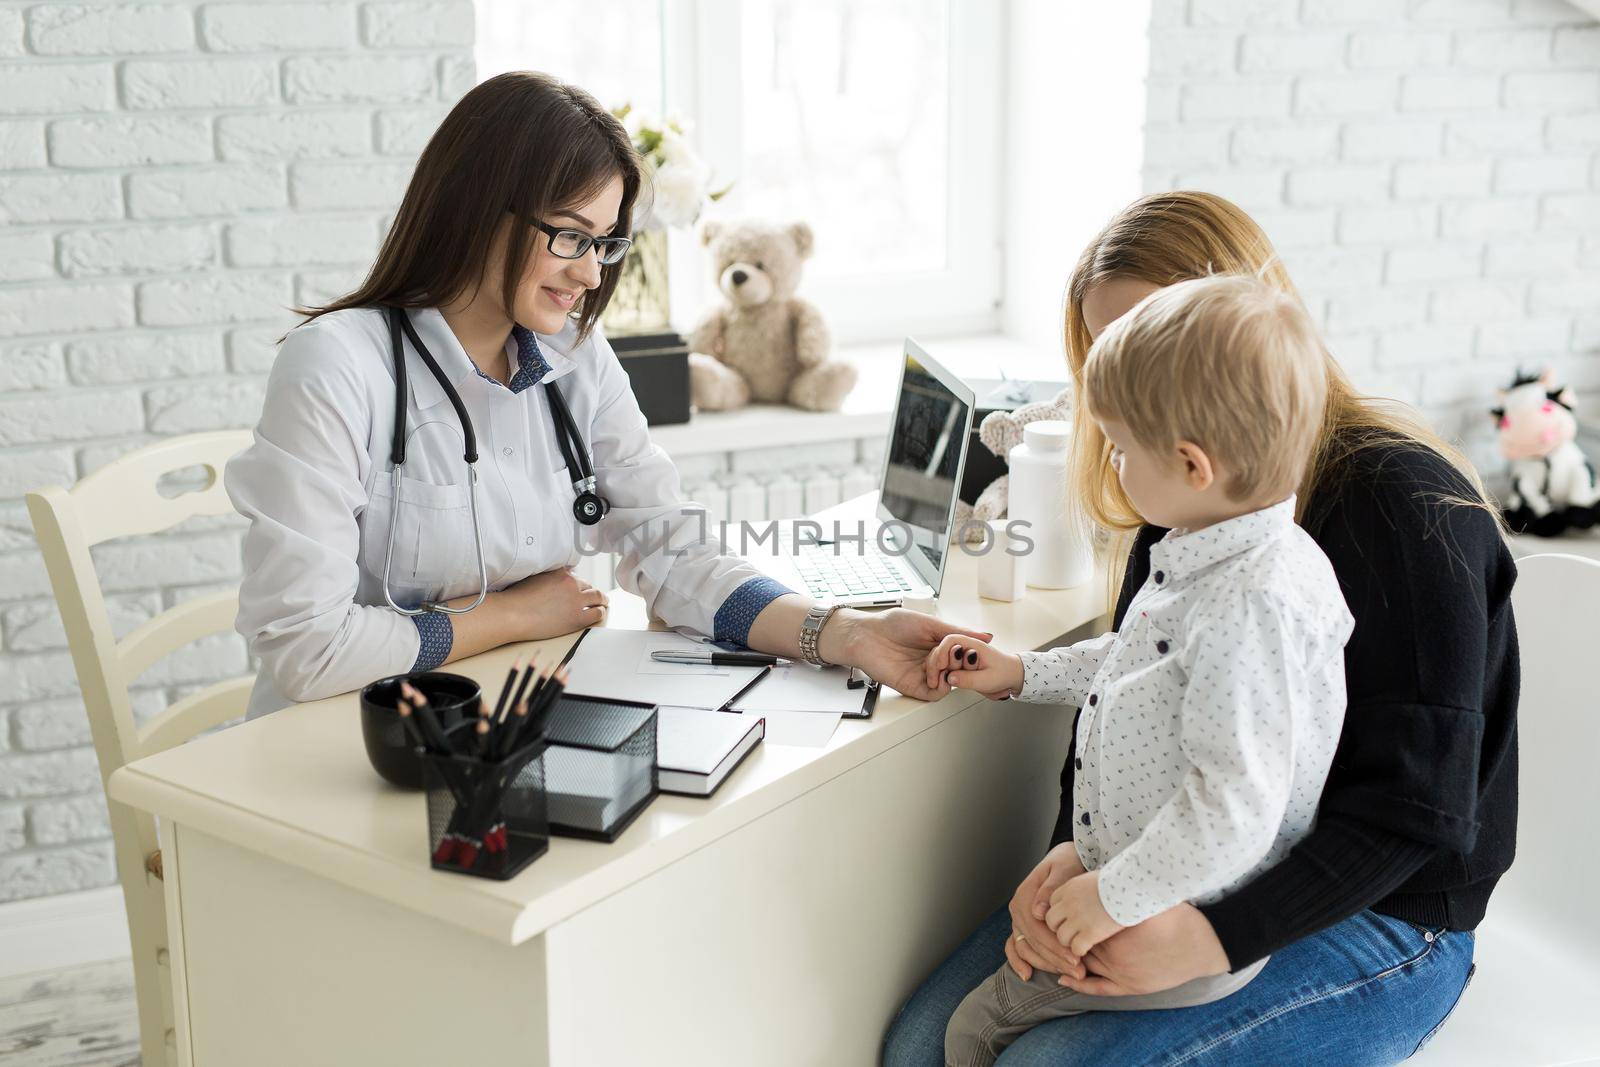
697, 749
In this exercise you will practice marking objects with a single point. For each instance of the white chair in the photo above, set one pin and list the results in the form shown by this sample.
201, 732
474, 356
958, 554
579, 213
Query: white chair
1535, 1000
121, 500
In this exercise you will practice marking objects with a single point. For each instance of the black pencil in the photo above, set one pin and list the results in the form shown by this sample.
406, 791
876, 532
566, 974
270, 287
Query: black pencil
409, 725
547, 701
426, 718
522, 686
539, 686
529, 709
502, 725
544, 695
505, 690
513, 728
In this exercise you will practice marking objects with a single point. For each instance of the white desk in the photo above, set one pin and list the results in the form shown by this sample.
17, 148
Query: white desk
781, 921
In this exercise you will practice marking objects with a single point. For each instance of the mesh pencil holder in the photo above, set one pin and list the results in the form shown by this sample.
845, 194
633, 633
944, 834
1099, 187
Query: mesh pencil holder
600, 766
487, 818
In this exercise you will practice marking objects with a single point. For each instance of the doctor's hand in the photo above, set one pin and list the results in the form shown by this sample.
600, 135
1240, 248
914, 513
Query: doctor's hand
552, 604
891, 646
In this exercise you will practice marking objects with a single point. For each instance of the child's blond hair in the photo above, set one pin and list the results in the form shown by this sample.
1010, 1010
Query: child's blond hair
1227, 362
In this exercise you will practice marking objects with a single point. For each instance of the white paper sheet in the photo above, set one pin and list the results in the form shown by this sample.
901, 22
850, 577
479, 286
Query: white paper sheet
606, 665
802, 687
809, 729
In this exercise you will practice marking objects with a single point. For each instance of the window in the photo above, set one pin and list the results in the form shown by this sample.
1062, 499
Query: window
876, 121
612, 49
833, 128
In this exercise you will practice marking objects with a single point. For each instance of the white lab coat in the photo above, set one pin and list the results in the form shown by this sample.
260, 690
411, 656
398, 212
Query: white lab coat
315, 485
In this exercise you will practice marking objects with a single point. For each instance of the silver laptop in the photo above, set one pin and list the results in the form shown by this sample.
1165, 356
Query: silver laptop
904, 553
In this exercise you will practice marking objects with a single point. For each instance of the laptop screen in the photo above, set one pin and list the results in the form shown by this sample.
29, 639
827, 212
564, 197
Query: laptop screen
927, 449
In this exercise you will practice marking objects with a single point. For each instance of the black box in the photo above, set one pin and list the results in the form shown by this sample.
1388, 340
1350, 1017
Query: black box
996, 394
658, 369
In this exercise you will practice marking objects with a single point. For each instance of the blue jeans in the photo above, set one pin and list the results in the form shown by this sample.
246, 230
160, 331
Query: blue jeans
1369, 990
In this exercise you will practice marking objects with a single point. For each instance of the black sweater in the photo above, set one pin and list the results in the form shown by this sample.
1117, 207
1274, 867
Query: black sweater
1418, 818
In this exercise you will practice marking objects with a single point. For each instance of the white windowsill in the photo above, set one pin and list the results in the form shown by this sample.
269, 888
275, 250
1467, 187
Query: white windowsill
866, 410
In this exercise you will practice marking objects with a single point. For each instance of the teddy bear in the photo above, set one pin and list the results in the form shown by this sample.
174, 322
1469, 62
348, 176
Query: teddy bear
764, 344
1000, 432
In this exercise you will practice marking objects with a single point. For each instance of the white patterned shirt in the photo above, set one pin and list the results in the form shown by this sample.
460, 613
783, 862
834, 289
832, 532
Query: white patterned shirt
1209, 719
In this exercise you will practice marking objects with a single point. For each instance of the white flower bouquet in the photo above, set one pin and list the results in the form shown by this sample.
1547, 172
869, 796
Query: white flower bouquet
679, 179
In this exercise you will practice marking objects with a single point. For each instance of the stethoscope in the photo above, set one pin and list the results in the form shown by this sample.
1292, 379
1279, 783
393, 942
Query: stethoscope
588, 508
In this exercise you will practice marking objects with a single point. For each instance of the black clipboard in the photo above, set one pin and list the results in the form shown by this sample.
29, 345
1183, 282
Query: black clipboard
870, 701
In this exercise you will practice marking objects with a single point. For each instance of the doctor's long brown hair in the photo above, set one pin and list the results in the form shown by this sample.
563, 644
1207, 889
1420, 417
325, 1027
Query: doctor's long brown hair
522, 142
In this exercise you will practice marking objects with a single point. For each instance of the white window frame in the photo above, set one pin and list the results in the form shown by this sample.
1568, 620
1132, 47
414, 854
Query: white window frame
701, 41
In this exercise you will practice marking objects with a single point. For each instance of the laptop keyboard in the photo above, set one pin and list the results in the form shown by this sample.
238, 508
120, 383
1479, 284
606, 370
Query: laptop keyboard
849, 573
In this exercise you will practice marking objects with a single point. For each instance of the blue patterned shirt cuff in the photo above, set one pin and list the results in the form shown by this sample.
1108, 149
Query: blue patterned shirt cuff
738, 613
437, 634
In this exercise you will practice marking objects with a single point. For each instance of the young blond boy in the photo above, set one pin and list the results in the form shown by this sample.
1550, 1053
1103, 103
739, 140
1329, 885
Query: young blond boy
1210, 718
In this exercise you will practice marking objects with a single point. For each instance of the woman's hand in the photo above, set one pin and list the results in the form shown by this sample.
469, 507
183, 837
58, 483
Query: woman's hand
1031, 944
1164, 951
892, 647
551, 604
962, 663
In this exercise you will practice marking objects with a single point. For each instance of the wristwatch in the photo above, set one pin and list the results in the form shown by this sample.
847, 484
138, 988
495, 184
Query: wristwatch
811, 633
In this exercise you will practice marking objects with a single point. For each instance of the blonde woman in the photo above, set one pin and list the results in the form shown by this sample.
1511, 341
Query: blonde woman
1368, 921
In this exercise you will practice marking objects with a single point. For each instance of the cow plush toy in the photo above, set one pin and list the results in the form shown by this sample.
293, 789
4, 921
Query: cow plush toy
1552, 482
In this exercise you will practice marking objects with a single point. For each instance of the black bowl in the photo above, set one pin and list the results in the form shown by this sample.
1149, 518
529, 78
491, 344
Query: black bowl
453, 698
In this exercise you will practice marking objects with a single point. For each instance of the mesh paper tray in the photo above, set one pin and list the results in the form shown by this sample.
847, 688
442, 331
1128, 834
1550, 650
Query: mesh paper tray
600, 767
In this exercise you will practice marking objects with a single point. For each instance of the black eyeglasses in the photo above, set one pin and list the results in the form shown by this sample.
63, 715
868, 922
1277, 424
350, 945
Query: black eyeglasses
572, 244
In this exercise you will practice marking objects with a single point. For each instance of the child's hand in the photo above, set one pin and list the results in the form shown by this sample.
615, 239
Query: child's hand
1068, 867
1077, 916
939, 660
963, 663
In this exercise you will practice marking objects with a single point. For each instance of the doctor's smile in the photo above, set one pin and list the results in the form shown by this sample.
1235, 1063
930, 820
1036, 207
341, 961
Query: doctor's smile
562, 298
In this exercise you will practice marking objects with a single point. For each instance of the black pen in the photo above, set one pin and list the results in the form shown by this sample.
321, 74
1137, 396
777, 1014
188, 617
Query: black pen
717, 659
727, 705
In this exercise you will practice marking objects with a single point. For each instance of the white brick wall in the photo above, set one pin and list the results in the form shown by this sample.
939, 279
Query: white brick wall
1430, 170
172, 175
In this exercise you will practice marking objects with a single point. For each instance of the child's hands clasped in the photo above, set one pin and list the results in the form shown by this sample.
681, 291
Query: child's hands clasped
960, 662
1076, 915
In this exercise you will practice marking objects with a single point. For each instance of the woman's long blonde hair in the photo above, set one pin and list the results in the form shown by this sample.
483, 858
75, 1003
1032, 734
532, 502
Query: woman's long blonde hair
1172, 237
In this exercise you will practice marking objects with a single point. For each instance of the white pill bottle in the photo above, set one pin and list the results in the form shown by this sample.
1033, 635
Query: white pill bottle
1063, 554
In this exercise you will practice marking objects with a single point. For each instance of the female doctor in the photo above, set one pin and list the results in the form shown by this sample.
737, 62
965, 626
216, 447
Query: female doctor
435, 447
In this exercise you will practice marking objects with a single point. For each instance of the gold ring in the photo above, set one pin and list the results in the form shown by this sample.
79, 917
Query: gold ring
1022, 939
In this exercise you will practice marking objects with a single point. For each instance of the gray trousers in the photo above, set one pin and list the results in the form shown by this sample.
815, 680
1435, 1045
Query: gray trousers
998, 1011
